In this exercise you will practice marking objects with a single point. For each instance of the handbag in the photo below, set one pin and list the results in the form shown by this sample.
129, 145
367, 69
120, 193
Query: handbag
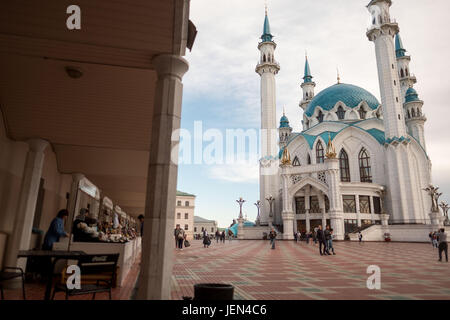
186, 243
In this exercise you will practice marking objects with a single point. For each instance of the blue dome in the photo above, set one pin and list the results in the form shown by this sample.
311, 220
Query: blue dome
349, 94
411, 95
284, 122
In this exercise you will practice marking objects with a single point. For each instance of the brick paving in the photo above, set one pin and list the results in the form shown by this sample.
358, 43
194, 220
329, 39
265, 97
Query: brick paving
296, 271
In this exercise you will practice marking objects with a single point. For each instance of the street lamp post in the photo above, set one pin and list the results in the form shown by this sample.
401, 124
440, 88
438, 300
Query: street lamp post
258, 205
271, 200
241, 202
444, 206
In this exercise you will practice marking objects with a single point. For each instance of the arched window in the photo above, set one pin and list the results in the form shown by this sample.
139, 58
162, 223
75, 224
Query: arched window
306, 95
419, 112
365, 170
407, 72
362, 113
344, 166
413, 113
409, 115
296, 162
264, 58
309, 159
402, 74
320, 157
340, 113
320, 117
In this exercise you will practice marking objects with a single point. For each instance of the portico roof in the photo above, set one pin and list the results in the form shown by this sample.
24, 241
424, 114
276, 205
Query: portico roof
100, 123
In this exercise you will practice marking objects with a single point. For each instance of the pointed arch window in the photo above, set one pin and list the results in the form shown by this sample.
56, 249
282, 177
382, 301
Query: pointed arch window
362, 113
402, 74
320, 117
344, 166
296, 162
340, 113
309, 159
365, 170
320, 156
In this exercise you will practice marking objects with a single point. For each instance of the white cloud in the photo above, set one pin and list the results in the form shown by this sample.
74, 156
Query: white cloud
244, 172
225, 54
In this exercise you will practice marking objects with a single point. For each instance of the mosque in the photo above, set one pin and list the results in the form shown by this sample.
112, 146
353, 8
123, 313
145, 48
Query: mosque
358, 162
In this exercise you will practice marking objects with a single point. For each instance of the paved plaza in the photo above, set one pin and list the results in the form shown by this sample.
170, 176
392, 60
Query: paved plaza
297, 271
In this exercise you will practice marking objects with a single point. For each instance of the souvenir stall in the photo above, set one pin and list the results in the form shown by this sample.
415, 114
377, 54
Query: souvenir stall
106, 229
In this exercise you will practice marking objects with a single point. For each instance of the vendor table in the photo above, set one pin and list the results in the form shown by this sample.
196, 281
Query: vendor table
52, 254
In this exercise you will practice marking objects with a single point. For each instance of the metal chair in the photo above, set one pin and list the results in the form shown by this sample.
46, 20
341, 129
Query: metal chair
6, 275
98, 267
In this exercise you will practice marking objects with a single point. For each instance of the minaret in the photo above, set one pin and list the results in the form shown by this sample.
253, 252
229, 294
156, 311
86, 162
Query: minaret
267, 68
415, 120
284, 131
403, 205
307, 86
382, 33
406, 79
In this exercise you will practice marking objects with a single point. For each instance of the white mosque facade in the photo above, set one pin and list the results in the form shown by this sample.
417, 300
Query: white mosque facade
358, 162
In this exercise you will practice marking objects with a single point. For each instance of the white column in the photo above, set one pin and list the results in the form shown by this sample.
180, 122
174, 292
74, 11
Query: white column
372, 209
358, 211
287, 213
157, 252
241, 233
335, 197
23, 223
307, 208
322, 209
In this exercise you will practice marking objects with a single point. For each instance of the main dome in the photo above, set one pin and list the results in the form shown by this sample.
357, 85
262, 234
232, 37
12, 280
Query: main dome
349, 94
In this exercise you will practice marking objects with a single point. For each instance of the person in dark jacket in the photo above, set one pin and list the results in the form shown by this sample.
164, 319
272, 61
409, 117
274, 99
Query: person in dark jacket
329, 238
141, 220
322, 240
80, 230
56, 230
272, 237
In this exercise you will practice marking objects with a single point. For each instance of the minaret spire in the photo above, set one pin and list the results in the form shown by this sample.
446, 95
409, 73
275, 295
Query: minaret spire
308, 88
399, 49
338, 76
266, 36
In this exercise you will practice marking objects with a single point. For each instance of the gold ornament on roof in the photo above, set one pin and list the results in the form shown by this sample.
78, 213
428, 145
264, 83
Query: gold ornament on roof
286, 158
331, 151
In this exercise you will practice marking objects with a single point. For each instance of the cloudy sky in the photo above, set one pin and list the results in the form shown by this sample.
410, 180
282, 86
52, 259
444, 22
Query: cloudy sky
221, 88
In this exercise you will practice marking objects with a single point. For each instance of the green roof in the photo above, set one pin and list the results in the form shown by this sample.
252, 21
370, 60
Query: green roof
180, 193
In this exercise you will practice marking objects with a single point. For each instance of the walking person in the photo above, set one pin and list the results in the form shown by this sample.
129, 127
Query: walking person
430, 235
330, 240
206, 239
320, 236
315, 234
217, 236
179, 237
360, 236
308, 235
435, 240
272, 237
222, 237
443, 245
295, 236
230, 235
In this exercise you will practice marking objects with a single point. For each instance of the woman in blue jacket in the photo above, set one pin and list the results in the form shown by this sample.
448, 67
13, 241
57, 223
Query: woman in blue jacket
56, 230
